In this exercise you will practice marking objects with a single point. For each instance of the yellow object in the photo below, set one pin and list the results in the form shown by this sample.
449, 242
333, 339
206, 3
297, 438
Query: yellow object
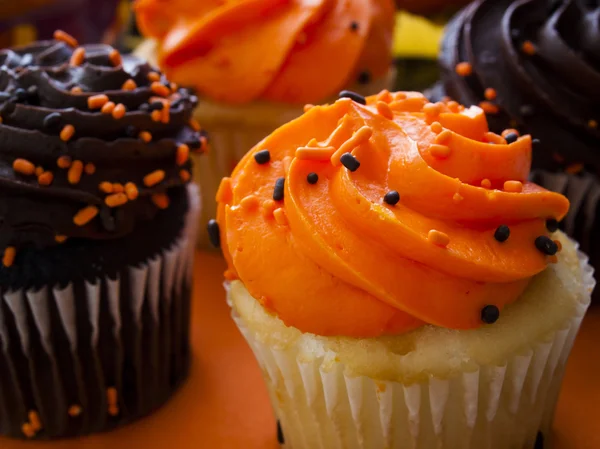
416, 36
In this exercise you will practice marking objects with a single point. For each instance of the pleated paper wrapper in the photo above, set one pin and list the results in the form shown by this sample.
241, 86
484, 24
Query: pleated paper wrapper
95, 355
490, 407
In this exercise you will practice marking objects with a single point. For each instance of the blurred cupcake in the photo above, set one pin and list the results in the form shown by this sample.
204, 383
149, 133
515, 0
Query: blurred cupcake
398, 277
534, 66
97, 228
257, 63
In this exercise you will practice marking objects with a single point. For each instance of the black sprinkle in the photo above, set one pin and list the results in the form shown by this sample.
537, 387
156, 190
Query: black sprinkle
354, 25
364, 77
511, 138
539, 441
350, 162
144, 107
546, 245
131, 131
214, 233
353, 96
278, 191
535, 142
490, 314
175, 104
502, 233
21, 95
526, 110
552, 225
392, 198
262, 157
280, 438
312, 178
156, 106
194, 144
52, 121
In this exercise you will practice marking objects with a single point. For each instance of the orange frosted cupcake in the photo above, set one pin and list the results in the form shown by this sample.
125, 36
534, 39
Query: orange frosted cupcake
399, 279
255, 63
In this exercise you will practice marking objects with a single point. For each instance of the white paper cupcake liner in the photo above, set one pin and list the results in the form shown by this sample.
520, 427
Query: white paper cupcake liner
489, 407
94, 355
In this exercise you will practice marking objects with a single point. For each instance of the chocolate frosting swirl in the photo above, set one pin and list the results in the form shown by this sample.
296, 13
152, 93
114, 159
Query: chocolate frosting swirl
35, 82
551, 91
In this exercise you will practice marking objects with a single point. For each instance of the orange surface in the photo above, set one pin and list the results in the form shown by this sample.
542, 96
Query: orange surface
224, 404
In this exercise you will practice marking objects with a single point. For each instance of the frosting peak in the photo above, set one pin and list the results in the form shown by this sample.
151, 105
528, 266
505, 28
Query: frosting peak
374, 219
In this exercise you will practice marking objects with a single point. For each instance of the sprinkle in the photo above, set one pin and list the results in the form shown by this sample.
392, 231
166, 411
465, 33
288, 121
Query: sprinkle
52, 121
145, 136
513, 186
108, 108
58, 238
185, 175
60, 35
262, 157
511, 138
129, 85
46, 178
97, 101
183, 154
508, 131
131, 191
156, 105
438, 238
160, 89
280, 216
24, 167
105, 187
502, 233
67, 133
268, 206
436, 127
154, 178
464, 69
353, 96
249, 202
111, 395
593, 123
358, 138
76, 90
78, 57
454, 107
27, 430
312, 178
315, 153
490, 94
364, 77
9, 256
214, 233
552, 259
384, 110
308, 107
490, 314
113, 410
573, 169
350, 162
116, 199
536, 142
224, 192
156, 116
489, 108
433, 109
34, 419
75, 171
545, 244
153, 77
194, 125
494, 138
203, 145
439, 151
89, 168
166, 113
443, 137
528, 48
115, 57
279, 189
119, 111
392, 198
173, 87
118, 187
354, 25
552, 225
558, 245
384, 96
486, 183
75, 411
457, 198
85, 215
280, 436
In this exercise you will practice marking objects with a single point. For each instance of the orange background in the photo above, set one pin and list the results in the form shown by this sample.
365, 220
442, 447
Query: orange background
224, 404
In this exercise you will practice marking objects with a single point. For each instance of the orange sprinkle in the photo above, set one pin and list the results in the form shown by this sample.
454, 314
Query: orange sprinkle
97, 101
593, 123
490, 93
153, 77
129, 85
194, 125
203, 145
558, 244
9, 256
486, 183
160, 89
46, 178
74, 174
489, 108
156, 116
166, 112
439, 151
183, 154
437, 127
111, 395
85, 215
308, 107
553, 259
60, 35
118, 187
34, 419
78, 57
528, 48
225, 192
432, 109
131, 191
108, 108
113, 410
280, 216
438, 238
508, 131
494, 138
27, 430
358, 138
67, 133
154, 178
60, 238
105, 187
249, 202
39, 170
268, 206
315, 153
457, 198
1, 120
185, 175
24, 167
115, 57
174, 87
63, 162
453, 106
384, 96
119, 111
573, 169
443, 137
75, 411
116, 200
384, 109
145, 136
464, 69
161, 200
76, 90
513, 186
89, 168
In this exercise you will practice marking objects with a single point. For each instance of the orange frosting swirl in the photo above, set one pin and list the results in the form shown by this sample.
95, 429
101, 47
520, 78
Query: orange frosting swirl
341, 257
291, 51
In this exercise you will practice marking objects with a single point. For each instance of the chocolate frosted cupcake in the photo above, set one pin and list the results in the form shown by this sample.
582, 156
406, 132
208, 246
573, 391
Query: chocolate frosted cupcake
535, 66
96, 227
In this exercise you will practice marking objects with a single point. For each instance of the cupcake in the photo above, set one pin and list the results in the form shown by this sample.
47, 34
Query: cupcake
97, 228
399, 280
533, 66
255, 64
